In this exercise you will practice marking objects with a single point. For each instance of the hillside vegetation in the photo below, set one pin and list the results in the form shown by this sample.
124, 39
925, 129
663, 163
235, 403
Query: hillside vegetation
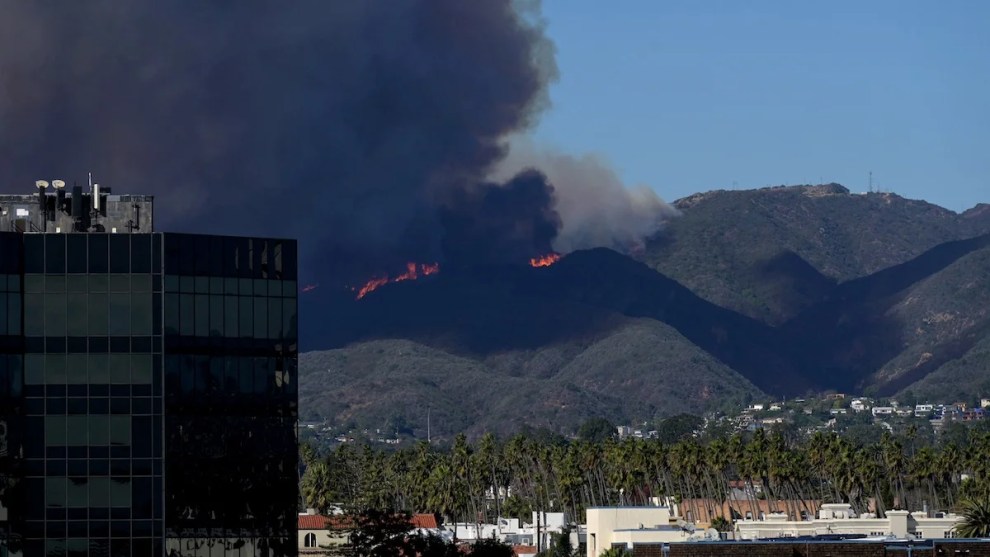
639, 371
769, 253
780, 291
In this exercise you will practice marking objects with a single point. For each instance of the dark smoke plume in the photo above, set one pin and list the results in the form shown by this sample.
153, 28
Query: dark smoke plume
347, 124
501, 223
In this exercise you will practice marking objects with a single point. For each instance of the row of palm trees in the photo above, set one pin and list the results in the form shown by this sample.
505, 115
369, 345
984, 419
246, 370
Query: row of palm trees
474, 482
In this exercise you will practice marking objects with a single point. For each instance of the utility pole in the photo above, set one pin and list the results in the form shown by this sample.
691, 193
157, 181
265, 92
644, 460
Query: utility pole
428, 439
539, 538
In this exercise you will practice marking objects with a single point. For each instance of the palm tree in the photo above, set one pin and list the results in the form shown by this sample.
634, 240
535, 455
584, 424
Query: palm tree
976, 521
315, 486
614, 552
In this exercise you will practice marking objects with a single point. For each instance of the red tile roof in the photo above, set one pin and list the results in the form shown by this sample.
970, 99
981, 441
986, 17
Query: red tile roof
424, 521
524, 549
318, 522
340, 522
312, 522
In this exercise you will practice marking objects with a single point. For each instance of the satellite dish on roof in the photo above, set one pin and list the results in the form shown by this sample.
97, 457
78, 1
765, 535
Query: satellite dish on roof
58, 184
712, 534
41, 184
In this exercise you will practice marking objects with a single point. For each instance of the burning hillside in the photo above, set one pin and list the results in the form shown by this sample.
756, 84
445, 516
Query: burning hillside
413, 272
544, 260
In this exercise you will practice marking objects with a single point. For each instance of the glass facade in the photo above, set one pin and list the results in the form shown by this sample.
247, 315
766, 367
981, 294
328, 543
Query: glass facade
149, 395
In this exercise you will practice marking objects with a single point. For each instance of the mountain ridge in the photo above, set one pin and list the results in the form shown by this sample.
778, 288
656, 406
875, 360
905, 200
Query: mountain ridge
845, 325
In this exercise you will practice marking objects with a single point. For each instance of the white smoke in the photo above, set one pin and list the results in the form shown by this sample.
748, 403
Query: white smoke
596, 208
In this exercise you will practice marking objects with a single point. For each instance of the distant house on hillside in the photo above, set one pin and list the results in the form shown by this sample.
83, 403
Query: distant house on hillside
973, 415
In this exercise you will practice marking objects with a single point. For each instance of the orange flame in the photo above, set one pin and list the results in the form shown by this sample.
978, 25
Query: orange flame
544, 260
413, 272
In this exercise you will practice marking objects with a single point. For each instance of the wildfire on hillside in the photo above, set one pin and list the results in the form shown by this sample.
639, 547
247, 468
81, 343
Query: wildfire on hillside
413, 272
544, 260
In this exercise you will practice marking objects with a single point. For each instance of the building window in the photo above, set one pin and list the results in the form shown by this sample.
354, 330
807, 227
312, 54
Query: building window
310, 540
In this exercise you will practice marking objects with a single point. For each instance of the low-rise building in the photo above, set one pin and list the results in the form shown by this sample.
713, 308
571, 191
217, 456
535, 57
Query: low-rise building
509, 530
629, 526
323, 535
841, 519
318, 534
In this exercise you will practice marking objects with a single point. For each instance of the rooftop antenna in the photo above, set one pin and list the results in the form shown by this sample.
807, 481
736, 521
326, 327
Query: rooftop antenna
871, 182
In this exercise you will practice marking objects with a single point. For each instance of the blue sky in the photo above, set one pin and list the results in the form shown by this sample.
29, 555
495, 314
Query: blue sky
689, 96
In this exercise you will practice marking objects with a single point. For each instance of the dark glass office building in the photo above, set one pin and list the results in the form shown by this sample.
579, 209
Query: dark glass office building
147, 395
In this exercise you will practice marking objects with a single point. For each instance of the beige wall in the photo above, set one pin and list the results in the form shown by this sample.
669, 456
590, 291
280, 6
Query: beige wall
324, 538
212, 547
603, 523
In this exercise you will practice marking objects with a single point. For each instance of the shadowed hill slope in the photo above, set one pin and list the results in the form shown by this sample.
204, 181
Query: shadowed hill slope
822, 289
866, 323
585, 295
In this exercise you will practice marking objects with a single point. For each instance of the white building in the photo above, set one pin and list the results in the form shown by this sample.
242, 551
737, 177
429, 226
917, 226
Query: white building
883, 410
610, 526
923, 410
840, 519
508, 530
858, 405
